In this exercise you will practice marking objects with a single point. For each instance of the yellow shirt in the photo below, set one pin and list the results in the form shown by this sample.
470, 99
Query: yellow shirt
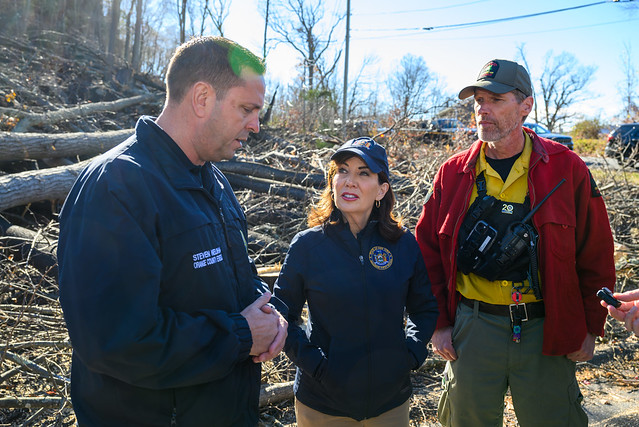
513, 190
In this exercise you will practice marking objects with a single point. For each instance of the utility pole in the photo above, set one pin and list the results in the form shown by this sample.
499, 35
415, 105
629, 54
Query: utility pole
348, 26
268, 2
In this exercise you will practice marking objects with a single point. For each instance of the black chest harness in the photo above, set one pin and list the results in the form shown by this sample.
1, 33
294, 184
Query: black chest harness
496, 243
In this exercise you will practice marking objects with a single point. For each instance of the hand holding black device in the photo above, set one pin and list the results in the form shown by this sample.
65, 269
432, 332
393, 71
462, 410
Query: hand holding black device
606, 295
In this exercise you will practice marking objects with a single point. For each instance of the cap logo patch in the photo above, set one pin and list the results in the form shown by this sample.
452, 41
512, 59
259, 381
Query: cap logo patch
380, 257
489, 71
363, 142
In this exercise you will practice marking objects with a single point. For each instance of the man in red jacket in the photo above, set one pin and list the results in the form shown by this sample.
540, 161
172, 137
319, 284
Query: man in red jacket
516, 241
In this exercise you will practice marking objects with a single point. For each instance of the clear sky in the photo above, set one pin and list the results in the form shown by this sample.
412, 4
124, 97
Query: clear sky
387, 30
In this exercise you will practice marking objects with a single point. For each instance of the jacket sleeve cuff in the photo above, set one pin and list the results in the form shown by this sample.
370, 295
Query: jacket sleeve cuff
243, 332
418, 353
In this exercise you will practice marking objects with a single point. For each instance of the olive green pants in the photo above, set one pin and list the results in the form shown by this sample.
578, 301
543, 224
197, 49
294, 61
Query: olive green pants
543, 388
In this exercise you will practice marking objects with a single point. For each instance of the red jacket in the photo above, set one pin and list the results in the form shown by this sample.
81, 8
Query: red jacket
575, 242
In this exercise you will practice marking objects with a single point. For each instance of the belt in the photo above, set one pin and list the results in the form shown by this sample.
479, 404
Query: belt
523, 311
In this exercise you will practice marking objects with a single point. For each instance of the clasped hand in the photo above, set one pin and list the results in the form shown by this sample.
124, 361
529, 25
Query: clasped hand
268, 328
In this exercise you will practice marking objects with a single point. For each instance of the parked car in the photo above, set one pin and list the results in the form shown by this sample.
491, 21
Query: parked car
622, 142
444, 129
545, 133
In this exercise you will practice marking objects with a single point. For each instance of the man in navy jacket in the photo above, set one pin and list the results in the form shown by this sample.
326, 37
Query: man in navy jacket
167, 315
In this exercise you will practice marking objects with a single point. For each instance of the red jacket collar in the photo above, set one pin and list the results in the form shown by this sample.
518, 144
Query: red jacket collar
542, 149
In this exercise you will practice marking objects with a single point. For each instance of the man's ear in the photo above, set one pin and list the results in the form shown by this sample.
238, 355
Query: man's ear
202, 97
527, 105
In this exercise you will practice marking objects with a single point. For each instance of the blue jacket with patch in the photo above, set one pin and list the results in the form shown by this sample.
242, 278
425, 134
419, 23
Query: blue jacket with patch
154, 273
355, 356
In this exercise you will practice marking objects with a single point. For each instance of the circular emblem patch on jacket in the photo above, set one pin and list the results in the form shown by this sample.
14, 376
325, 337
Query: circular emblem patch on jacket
380, 257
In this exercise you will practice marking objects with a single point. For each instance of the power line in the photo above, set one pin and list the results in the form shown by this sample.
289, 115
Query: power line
399, 12
421, 33
530, 15
491, 21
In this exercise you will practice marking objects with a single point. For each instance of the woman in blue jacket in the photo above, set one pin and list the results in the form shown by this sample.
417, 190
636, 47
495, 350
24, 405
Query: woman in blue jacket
360, 272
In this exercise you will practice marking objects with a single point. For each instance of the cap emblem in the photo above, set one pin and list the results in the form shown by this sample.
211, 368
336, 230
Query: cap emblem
489, 71
362, 142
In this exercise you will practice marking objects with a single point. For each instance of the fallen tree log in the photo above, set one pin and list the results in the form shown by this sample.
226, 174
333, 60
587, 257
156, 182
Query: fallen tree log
32, 402
271, 394
30, 120
269, 187
22, 146
55, 183
261, 171
34, 367
22, 188
30, 246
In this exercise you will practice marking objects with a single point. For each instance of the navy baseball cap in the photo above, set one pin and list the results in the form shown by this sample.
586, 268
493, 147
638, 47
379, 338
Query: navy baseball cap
500, 76
373, 154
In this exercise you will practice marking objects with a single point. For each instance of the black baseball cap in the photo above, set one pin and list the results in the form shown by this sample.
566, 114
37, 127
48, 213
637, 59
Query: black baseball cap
500, 76
373, 154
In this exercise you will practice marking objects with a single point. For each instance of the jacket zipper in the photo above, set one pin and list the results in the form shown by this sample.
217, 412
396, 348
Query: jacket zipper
368, 334
219, 204
174, 412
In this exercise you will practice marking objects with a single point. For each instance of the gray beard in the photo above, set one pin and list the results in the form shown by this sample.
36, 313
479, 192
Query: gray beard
495, 135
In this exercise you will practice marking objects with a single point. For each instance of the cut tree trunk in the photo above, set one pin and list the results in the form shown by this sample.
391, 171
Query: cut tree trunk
22, 146
270, 394
266, 172
30, 120
55, 183
268, 187
30, 246
22, 188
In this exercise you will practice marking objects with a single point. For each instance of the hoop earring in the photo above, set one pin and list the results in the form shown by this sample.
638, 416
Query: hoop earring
377, 204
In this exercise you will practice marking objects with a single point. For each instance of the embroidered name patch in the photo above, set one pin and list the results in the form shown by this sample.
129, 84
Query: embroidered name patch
202, 259
380, 257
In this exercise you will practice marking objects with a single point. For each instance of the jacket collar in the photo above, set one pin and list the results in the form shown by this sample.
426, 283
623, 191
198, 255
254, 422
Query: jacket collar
541, 151
180, 171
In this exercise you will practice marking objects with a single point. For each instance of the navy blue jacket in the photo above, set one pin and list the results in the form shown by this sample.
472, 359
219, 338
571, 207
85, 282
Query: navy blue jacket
154, 271
356, 355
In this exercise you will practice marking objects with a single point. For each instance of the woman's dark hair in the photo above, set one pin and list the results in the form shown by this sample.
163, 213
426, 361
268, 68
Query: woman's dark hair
324, 212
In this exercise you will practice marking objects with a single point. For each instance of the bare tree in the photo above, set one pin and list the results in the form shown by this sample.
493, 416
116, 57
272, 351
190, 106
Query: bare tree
358, 99
182, 12
522, 55
266, 16
136, 59
303, 32
628, 86
127, 40
562, 83
159, 43
114, 26
409, 86
302, 25
219, 14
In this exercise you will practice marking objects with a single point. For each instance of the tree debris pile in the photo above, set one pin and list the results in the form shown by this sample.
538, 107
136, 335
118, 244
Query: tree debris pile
69, 95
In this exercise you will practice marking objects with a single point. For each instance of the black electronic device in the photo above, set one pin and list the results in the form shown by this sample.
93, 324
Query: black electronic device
606, 295
520, 235
480, 239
